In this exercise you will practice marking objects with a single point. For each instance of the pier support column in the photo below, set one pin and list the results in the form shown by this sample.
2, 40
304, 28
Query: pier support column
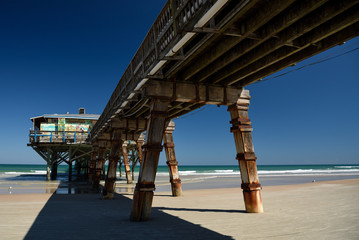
54, 164
93, 162
241, 129
143, 194
171, 160
126, 163
116, 143
99, 164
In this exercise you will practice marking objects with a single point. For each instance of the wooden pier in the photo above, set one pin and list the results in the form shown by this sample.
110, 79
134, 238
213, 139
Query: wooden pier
200, 52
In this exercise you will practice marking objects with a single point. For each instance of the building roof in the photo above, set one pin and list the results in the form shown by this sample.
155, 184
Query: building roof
72, 116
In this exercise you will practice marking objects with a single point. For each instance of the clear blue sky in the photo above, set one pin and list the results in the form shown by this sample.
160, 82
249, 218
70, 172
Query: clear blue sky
59, 55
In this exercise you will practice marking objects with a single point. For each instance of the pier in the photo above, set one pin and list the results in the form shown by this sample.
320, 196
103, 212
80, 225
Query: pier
201, 52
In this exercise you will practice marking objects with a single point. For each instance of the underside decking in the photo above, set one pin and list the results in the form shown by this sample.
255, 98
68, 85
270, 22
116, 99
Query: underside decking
227, 45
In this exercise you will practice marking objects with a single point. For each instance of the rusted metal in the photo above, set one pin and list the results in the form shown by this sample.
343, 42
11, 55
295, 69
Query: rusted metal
172, 163
241, 129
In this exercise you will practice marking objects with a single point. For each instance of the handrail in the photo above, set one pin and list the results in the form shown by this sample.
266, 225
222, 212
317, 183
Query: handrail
168, 28
36, 136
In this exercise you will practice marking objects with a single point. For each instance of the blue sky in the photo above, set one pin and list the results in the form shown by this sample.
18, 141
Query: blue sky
57, 56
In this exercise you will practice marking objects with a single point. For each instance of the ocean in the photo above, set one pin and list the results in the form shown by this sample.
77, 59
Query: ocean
38, 172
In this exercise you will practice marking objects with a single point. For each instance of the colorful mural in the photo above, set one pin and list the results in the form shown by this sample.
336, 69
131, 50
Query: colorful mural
48, 127
63, 126
77, 127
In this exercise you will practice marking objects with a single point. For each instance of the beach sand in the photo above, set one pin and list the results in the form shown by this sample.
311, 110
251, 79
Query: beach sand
319, 210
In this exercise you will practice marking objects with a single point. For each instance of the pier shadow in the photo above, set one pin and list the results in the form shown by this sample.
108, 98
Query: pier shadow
87, 216
201, 210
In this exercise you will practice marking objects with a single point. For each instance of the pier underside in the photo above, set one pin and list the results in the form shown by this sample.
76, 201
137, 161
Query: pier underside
206, 52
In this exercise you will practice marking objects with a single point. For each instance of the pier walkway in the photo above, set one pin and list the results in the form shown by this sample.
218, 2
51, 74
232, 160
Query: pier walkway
200, 52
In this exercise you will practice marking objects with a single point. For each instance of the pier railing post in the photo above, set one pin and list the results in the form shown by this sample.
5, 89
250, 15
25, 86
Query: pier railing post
171, 160
126, 162
99, 164
116, 143
143, 194
241, 129
93, 162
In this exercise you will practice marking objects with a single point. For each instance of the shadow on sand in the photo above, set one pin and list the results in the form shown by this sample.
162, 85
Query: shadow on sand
86, 216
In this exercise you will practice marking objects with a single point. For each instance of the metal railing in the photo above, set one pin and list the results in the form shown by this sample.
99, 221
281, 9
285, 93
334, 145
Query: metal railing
36, 136
175, 19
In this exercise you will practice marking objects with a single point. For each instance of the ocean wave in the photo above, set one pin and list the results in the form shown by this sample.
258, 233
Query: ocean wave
347, 167
224, 171
308, 171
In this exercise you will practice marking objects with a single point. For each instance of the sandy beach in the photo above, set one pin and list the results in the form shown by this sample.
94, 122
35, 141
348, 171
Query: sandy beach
319, 210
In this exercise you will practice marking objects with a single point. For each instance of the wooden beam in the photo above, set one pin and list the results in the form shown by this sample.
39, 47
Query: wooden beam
329, 42
241, 129
143, 194
248, 26
320, 33
129, 124
189, 92
171, 160
308, 23
279, 23
238, 11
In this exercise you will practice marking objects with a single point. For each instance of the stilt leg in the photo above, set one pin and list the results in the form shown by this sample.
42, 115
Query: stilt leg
93, 162
108, 192
143, 194
53, 166
126, 162
99, 164
70, 171
171, 160
241, 129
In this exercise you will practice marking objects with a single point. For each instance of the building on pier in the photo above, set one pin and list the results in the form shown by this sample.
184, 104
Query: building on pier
63, 138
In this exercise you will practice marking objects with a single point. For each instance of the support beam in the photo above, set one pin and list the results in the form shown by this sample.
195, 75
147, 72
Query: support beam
93, 162
190, 92
241, 129
116, 143
126, 162
99, 164
171, 160
143, 194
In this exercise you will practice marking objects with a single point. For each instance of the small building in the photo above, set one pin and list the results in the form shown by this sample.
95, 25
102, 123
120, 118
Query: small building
69, 128
59, 138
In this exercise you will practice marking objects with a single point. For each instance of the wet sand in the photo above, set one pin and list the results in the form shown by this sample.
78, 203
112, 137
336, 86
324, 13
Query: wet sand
319, 210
